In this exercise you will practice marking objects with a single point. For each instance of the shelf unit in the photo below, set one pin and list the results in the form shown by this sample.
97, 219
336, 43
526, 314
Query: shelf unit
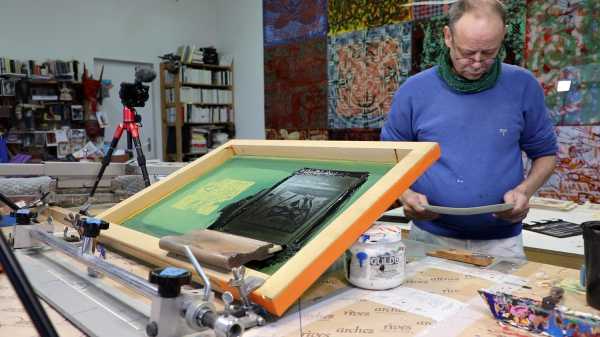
177, 108
31, 114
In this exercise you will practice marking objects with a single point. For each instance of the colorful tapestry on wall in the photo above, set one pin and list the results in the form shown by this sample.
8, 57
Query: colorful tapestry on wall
579, 100
560, 35
428, 42
286, 21
365, 69
577, 175
426, 11
342, 87
296, 85
353, 15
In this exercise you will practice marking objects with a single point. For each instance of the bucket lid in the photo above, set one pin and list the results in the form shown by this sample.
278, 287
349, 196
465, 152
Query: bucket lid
381, 233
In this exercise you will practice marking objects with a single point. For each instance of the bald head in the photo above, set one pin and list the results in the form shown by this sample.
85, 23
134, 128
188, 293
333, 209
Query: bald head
488, 9
474, 35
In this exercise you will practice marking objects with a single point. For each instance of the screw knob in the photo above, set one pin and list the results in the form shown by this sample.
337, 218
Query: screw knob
170, 280
93, 226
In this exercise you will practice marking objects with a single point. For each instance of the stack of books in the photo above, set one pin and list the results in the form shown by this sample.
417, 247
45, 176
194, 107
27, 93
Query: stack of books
50, 69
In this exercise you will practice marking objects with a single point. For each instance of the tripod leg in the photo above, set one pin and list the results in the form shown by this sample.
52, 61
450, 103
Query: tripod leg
141, 159
129, 145
107, 157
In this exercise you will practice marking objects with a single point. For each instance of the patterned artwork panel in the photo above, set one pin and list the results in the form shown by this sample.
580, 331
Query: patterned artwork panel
580, 103
563, 42
333, 66
286, 21
428, 42
429, 11
577, 175
296, 85
353, 15
365, 69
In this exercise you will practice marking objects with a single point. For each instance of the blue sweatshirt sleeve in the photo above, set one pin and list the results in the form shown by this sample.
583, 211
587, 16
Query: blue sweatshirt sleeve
538, 138
399, 123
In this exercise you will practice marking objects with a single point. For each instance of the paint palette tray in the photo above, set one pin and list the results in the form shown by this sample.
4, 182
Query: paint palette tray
557, 228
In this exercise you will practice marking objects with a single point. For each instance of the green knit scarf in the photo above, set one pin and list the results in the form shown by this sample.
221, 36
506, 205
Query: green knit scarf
463, 85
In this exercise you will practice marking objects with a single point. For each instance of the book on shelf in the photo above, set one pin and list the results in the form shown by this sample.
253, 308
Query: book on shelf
50, 69
169, 78
222, 77
171, 115
192, 76
190, 54
170, 95
195, 76
207, 115
198, 140
191, 95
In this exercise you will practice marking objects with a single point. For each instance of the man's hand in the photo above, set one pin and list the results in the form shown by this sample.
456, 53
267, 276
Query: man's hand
413, 206
521, 208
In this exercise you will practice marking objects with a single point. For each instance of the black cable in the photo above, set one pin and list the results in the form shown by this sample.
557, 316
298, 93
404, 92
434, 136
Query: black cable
23, 288
8, 202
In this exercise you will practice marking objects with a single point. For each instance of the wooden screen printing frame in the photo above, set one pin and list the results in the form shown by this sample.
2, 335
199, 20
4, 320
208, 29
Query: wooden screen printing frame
289, 282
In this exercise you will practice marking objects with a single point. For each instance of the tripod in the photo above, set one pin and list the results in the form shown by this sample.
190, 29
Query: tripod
132, 95
131, 123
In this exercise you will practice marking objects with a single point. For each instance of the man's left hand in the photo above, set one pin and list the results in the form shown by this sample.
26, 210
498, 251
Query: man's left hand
520, 200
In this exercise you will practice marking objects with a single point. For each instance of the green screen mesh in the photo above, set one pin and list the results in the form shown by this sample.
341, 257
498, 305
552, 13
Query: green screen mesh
197, 204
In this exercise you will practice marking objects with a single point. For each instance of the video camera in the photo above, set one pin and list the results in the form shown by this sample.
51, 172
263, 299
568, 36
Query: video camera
136, 94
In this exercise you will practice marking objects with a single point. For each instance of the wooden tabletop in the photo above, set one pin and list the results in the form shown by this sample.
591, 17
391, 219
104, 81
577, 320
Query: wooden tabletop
441, 291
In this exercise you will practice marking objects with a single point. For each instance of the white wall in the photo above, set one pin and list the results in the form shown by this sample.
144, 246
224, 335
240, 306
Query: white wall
129, 30
239, 31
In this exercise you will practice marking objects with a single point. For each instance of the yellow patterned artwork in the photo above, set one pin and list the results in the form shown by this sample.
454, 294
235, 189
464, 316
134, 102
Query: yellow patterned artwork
207, 198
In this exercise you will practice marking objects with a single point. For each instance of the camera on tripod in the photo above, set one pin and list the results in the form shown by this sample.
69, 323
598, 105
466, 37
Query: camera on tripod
136, 94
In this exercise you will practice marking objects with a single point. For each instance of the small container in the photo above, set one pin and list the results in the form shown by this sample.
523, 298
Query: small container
377, 260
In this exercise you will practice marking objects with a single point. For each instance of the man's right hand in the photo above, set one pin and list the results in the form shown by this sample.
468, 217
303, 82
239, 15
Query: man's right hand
413, 206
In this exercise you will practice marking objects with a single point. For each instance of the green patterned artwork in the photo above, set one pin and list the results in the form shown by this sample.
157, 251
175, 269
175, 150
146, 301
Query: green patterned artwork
432, 42
352, 15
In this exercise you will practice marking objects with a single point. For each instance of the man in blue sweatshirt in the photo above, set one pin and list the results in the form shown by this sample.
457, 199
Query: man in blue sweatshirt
483, 113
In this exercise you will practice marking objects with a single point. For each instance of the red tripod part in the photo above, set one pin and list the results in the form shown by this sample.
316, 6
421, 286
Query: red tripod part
131, 125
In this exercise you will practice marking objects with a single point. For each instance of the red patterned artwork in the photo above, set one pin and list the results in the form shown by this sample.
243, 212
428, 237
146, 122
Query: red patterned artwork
296, 85
577, 175
365, 69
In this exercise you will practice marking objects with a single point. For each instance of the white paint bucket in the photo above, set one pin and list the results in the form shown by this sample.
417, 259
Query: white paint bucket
377, 260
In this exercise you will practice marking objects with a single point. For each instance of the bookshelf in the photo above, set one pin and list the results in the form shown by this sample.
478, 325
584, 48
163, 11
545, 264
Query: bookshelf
41, 108
197, 109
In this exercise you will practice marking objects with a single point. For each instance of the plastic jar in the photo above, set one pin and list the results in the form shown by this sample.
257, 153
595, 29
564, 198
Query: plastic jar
377, 260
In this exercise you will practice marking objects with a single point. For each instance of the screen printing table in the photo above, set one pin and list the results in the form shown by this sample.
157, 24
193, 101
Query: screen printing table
438, 298
563, 252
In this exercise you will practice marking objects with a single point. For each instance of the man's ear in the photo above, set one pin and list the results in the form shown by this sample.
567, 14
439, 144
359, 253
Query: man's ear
447, 36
